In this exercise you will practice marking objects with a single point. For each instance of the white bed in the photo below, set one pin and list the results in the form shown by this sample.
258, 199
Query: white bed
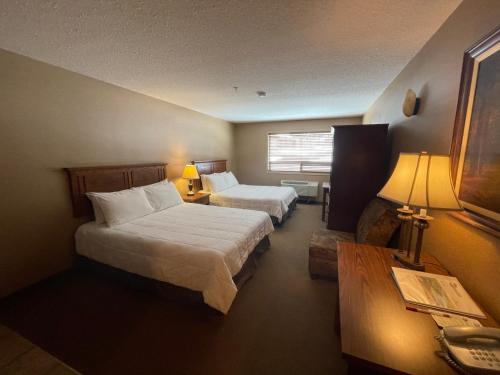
190, 245
275, 200
226, 191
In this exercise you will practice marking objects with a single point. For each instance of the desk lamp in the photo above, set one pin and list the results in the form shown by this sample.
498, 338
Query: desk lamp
422, 181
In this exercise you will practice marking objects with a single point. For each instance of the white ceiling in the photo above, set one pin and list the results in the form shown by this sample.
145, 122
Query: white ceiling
314, 58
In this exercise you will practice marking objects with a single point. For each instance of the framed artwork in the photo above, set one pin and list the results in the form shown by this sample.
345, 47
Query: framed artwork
475, 150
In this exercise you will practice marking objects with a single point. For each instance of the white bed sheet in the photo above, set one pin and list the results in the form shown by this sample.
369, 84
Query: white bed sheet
190, 245
272, 199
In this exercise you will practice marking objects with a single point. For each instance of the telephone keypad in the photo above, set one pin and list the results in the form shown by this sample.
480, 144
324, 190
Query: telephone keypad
484, 355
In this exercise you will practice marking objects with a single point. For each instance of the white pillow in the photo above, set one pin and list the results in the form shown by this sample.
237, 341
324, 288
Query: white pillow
224, 176
227, 182
231, 180
205, 183
123, 206
162, 195
98, 215
217, 182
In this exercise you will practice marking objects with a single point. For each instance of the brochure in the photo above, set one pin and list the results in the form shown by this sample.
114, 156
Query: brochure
439, 292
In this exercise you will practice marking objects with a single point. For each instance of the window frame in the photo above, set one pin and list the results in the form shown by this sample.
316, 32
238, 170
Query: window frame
301, 172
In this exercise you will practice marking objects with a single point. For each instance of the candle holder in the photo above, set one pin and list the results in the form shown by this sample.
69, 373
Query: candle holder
405, 234
421, 222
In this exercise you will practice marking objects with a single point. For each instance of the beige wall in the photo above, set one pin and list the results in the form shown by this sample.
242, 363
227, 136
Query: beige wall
434, 73
51, 118
250, 144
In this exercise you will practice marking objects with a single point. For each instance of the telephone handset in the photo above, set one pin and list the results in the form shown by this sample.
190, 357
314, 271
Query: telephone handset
473, 350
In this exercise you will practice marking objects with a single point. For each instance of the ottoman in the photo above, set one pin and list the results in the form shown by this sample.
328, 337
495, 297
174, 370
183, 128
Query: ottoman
323, 252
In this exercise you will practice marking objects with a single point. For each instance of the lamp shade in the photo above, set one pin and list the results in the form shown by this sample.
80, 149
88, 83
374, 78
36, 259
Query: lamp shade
422, 180
190, 172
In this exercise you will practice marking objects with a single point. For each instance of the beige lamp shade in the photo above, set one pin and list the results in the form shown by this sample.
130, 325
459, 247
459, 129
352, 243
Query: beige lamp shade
190, 172
422, 180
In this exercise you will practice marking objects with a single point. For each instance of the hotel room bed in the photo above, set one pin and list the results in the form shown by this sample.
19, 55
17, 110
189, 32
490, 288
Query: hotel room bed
188, 245
277, 201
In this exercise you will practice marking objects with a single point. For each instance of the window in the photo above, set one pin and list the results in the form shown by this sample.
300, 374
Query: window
300, 152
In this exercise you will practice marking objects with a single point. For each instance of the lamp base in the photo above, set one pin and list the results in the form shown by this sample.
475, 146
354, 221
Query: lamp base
190, 187
408, 262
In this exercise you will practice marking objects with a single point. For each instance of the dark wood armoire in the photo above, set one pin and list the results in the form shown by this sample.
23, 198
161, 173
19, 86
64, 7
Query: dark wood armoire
359, 170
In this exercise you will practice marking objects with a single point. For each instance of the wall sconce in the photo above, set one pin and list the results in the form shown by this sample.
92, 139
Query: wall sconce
411, 104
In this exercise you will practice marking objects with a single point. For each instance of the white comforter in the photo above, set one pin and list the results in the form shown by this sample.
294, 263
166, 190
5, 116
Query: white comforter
190, 245
272, 199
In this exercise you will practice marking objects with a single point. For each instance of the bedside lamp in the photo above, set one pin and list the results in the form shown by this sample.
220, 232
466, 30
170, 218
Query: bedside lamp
190, 173
419, 180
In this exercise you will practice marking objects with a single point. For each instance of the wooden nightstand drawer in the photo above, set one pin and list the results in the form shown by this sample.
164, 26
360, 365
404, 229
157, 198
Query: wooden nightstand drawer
199, 198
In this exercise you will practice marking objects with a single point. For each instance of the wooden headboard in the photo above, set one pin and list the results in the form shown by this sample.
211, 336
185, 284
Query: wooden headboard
208, 167
108, 179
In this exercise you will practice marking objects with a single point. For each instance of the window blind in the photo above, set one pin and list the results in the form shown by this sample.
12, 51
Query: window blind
300, 152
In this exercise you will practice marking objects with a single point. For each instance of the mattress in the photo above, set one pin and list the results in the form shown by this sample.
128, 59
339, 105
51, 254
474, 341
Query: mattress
271, 199
190, 245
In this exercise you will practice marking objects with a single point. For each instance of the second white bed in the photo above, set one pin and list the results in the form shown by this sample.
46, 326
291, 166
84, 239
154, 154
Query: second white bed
190, 245
275, 200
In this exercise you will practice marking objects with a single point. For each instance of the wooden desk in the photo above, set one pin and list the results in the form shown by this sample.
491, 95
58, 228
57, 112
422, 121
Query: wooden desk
376, 330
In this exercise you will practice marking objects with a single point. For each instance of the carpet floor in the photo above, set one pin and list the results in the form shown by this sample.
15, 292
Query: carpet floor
281, 322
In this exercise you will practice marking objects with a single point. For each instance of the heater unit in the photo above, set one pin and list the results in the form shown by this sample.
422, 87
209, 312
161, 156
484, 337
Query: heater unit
305, 189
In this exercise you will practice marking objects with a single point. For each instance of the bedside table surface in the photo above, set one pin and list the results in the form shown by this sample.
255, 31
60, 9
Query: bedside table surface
196, 198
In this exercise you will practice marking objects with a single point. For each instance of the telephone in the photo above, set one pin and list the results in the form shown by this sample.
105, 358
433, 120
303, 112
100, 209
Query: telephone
474, 350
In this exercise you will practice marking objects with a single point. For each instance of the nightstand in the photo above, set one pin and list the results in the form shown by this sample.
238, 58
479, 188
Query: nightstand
200, 198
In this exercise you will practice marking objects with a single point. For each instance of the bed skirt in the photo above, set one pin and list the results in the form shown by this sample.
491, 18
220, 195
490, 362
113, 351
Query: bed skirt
291, 208
166, 290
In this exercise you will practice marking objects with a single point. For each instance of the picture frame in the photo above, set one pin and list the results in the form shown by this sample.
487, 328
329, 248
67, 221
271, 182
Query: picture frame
475, 148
